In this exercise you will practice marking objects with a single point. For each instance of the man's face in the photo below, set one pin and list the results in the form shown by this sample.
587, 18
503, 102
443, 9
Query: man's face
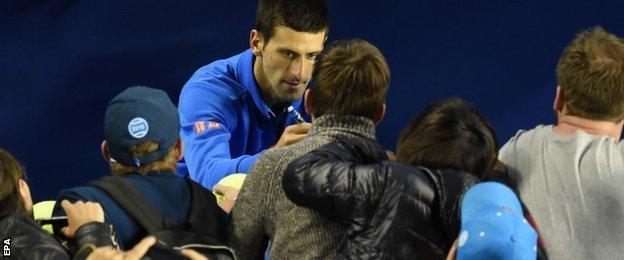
284, 64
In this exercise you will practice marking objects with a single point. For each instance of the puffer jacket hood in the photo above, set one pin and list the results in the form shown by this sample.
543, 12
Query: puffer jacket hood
392, 210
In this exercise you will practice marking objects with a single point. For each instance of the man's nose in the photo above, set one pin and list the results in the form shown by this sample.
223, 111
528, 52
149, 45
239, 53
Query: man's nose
297, 68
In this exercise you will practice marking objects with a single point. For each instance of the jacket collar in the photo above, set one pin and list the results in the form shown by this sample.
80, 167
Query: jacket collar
244, 72
358, 125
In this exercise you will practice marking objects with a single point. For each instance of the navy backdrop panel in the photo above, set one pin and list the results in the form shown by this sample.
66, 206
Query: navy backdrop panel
61, 61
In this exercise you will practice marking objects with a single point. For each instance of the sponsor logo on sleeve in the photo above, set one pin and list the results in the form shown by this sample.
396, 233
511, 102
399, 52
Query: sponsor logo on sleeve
199, 127
202, 126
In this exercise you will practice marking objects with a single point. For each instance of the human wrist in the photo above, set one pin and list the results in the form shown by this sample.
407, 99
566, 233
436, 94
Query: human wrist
95, 233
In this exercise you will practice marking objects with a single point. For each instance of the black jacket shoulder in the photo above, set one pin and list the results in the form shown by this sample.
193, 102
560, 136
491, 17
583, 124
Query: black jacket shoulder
29, 241
392, 210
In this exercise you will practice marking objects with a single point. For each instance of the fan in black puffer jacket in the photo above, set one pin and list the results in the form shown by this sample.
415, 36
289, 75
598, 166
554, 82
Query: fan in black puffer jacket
29, 241
392, 210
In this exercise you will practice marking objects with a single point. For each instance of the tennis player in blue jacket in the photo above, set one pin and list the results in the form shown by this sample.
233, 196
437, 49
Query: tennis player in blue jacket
233, 109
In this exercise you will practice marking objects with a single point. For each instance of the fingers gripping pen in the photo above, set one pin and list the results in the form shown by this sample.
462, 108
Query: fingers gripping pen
298, 118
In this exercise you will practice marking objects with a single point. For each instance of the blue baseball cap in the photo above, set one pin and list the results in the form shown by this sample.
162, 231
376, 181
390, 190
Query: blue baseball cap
493, 225
136, 115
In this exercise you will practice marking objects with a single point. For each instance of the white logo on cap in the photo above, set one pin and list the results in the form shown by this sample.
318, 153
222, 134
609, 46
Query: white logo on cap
138, 127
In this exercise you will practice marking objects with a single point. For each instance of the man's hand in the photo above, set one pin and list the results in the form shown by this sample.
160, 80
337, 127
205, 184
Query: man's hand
80, 213
136, 253
229, 196
391, 155
293, 134
452, 254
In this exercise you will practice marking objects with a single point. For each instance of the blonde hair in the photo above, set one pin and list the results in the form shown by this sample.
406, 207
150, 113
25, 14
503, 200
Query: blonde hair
166, 163
590, 73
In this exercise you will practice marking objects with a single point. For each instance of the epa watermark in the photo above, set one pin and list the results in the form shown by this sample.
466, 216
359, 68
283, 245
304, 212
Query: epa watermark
6, 247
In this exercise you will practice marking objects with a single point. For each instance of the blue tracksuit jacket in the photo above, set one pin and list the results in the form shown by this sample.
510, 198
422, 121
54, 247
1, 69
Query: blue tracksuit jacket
226, 125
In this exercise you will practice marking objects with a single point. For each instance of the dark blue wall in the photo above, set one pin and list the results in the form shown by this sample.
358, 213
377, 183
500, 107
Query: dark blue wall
61, 61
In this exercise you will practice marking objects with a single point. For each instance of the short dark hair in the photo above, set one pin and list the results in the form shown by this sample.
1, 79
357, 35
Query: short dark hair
299, 15
449, 134
350, 78
590, 73
10, 173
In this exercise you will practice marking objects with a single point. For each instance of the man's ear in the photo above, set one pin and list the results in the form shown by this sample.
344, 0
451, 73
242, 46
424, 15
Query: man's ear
256, 42
179, 148
379, 114
105, 151
559, 102
307, 102
24, 191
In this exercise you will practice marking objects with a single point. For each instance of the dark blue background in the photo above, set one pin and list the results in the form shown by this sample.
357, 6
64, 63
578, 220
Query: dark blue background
61, 61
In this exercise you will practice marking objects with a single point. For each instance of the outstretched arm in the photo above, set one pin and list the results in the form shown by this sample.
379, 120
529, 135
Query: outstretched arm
335, 178
208, 115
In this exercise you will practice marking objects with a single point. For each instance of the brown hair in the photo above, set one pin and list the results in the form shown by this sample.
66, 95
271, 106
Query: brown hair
166, 163
590, 73
10, 173
350, 78
449, 134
